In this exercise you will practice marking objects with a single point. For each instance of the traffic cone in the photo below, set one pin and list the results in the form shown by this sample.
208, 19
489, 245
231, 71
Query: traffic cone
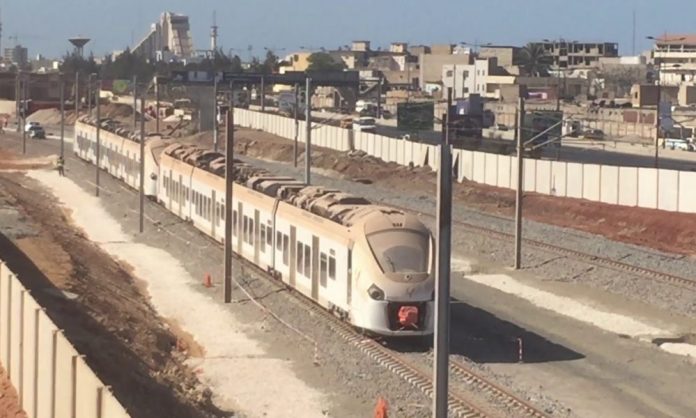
381, 409
207, 280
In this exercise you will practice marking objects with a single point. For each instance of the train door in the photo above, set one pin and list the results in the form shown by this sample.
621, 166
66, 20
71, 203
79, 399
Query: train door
349, 281
240, 231
293, 255
179, 194
315, 267
214, 215
171, 189
257, 231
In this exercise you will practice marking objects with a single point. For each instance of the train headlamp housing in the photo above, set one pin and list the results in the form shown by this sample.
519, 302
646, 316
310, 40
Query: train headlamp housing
375, 292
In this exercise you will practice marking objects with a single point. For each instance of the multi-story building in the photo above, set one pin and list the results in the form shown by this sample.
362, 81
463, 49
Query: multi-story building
507, 56
472, 78
573, 54
675, 56
18, 55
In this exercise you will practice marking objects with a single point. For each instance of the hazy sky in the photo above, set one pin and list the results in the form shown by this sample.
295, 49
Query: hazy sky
44, 25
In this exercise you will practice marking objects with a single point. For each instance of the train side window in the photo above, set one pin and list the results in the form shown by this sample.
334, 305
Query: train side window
286, 250
234, 222
251, 231
279, 241
323, 269
269, 235
307, 261
300, 258
332, 267
244, 228
262, 241
222, 211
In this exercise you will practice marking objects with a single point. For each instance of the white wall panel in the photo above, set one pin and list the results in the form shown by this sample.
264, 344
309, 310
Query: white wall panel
628, 186
529, 175
558, 178
647, 188
574, 180
668, 190
504, 168
609, 187
591, 182
687, 197
479, 174
491, 170
543, 177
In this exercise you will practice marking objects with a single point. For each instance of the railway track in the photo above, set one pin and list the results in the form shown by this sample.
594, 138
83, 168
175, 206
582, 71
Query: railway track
577, 255
459, 405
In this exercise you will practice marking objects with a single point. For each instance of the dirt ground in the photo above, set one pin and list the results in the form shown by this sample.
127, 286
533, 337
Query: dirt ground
9, 401
666, 231
102, 309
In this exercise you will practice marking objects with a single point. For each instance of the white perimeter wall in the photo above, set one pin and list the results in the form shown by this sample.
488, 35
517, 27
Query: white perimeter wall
43, 366
668, 190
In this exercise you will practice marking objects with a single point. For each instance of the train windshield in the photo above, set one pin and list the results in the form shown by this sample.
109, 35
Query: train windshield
400, 251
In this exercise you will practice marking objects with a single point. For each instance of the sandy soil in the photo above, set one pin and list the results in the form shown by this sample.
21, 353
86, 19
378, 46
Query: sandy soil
9, 401
666, 231
102, 309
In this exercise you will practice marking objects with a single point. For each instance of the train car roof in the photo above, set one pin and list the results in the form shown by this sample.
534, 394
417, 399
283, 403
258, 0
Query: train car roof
343, 208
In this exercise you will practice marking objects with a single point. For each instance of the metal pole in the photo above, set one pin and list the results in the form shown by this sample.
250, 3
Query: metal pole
157, 105
308, 139
25, 109
135, 103
142, 160
96, 99
520, 173
89, 95
379, 98
62, 115
77, 95
297, 122
658, 122
18, 100
558, 88
263, 94
216, 131
229, 181
442, 277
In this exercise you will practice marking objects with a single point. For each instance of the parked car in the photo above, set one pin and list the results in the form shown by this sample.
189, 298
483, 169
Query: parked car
30, 125
679, 144
386, 114
597, 134
365, 124
37, 132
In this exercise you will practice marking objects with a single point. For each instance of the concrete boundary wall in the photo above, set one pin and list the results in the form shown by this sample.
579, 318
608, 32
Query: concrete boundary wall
51, 377
667, 190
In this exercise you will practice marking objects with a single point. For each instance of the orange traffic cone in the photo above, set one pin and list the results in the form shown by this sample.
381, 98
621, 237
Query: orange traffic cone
381, 409
207, 280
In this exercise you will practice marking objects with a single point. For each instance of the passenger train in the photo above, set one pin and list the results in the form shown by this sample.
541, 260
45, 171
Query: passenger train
371, 265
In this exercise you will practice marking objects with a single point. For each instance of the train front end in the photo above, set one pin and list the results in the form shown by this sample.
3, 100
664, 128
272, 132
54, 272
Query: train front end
393, 275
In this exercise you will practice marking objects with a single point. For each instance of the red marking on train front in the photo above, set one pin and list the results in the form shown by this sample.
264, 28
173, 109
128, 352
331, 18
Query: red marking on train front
408, 316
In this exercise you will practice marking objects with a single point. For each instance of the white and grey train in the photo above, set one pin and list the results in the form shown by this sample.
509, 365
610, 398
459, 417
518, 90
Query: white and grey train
371, 265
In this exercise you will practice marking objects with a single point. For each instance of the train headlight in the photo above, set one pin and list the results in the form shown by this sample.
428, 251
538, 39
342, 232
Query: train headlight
375, 292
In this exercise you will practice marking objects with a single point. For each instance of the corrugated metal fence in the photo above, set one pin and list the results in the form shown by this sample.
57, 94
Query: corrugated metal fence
51, 377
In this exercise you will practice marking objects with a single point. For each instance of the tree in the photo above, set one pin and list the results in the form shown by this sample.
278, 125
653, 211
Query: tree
321, 61
73, 63
270, 63
535, 61
126, 65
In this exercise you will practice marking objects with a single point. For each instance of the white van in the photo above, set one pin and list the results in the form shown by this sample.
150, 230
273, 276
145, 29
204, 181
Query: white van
365, 124
679, 144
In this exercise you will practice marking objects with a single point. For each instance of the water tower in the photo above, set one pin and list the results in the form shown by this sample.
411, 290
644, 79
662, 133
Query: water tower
79, 44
